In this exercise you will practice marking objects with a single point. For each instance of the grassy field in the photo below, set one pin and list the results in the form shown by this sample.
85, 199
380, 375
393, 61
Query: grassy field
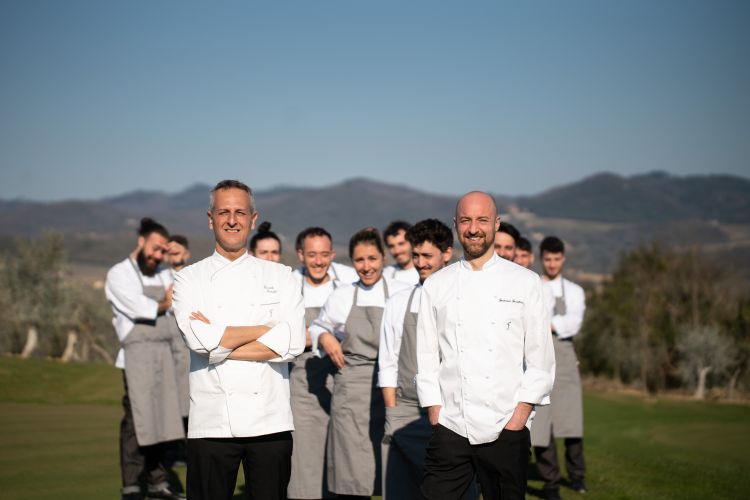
58, 439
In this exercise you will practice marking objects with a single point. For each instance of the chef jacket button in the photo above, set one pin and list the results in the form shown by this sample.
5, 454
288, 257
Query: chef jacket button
490, 349
459, 323
486, 403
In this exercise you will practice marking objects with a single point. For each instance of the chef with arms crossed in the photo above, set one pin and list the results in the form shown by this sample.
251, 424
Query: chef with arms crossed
243, 320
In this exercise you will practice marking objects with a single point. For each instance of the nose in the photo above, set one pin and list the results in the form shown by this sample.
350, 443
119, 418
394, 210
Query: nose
232, 220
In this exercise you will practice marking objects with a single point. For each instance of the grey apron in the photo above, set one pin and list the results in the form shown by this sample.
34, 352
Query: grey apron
357, 409
310, 386
407, 428
152, 381
181, 356
563, 417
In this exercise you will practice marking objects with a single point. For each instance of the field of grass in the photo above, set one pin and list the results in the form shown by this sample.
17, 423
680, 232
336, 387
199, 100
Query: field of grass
59, 426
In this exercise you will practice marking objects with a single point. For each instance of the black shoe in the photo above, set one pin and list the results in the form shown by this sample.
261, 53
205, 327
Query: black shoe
552, 494
578, 486
166, 493
132, 496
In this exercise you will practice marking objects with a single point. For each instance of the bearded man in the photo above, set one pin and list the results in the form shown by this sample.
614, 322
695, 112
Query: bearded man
140, 293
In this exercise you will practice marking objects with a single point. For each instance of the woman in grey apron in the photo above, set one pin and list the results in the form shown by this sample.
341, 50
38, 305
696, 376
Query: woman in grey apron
357, 408
310, 385
151, 378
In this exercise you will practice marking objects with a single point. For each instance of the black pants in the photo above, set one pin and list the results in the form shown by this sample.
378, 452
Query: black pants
213, 464
451, 463
547, 463
137, 461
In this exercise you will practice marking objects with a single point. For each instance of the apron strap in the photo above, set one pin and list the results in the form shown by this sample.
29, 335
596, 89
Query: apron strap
408, 304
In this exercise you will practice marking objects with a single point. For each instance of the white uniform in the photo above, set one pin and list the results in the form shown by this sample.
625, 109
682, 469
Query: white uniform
124, 290
232, 398
410, 276
483, 346
564, 416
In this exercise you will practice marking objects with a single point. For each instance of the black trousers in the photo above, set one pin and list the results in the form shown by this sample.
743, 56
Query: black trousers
501, 466
213, 464
138, 461
547, 463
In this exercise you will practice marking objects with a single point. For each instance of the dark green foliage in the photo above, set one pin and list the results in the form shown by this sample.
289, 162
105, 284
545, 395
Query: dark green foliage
655, 298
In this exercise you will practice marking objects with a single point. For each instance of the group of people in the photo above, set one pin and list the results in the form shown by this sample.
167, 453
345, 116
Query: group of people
420, 379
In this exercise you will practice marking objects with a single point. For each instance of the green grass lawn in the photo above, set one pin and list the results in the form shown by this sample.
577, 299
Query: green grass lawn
59, 426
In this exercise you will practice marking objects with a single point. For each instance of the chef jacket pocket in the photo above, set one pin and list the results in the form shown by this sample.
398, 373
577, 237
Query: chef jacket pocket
269, 311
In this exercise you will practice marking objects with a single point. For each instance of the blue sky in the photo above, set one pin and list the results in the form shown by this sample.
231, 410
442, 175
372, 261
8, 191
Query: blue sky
101, 97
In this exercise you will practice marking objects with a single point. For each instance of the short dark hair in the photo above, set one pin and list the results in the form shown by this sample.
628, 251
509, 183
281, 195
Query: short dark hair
367, 236
310, 232
227, 184
433, 231
523, 244
179, 239
551, 244
149, 225
395, 227
506, 227
264, 232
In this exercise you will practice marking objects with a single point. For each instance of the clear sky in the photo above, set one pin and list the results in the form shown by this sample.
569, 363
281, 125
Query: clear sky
102, 97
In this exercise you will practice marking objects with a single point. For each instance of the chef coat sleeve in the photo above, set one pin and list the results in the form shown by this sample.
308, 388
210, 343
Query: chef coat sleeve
200, 337
331, 319
428, 352
539, 354
390, 344
287, 337
125, 291
569, 324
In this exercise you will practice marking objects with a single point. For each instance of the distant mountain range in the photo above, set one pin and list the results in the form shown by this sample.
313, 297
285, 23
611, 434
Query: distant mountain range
598, 216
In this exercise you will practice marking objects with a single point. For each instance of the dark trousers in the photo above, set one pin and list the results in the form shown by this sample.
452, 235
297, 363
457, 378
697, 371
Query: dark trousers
138, 461
501, 466
213, 464
547, 463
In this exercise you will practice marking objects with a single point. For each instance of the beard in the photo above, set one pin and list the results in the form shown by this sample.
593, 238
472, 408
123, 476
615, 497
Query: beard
472, 250
146, 265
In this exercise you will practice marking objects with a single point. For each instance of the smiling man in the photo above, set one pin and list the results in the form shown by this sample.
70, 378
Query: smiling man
243, 320
484, 359
400, 249
407, 428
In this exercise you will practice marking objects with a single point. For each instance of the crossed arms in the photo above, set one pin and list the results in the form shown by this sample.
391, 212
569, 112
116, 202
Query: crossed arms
277, 342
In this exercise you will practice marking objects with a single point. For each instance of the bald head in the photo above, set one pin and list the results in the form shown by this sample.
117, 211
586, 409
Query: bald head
477, 199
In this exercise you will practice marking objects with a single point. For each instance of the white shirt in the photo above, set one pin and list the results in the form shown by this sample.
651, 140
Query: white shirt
391, 332
410, 276
339, 272
233, 398
124, 292
333, 316
316, 296
569, 324
483, 346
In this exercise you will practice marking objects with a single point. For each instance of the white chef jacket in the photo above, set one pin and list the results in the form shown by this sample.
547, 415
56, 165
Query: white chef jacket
333, 316
410, 276
483, 346
233, 398
391, 332
124, 292
569, 324
339, 272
